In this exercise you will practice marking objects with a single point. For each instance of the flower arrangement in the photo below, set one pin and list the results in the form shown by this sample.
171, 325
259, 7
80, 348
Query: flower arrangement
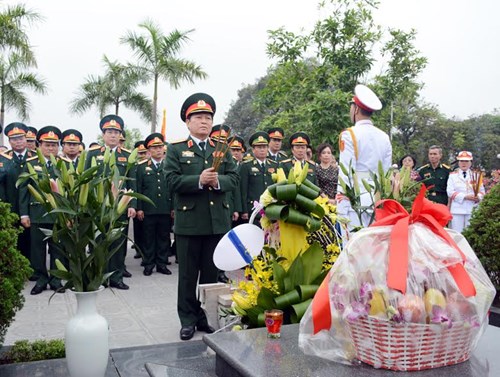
301, 247
86, 205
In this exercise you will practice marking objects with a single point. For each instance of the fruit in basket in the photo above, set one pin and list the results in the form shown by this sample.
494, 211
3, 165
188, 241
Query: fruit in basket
412, 308
378, 303
459, 308
433, 297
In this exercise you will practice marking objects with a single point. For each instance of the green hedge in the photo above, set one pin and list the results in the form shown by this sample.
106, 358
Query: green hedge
23, 351
483, 234
14, 269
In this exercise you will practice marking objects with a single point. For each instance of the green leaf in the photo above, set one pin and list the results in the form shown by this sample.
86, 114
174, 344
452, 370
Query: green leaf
279, 274
287, 299
307, 291
312, 260
265, 299
298, 310
286, 192
296, 273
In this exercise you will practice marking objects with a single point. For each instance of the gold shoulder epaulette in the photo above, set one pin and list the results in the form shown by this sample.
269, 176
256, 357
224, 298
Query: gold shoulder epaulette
93, 148
282, 153
271, 161
446, 166
422, 167
6, 156
64, 158
288, 160
125, 149
142, 161
178, 141
32, 158
248, 159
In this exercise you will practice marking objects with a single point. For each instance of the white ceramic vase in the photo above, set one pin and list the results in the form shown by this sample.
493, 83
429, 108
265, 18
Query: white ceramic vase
86, 337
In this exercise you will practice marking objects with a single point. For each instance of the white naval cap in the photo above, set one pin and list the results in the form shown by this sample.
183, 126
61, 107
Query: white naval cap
365, 98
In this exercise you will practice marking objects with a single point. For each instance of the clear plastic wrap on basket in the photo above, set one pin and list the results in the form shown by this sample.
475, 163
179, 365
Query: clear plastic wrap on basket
434, 318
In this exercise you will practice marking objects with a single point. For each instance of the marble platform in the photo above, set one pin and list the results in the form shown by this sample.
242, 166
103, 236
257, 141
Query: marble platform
250, 353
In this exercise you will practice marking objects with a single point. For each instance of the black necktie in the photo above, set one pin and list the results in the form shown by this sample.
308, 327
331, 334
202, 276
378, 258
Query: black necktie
465, 174
202, 145
19, 157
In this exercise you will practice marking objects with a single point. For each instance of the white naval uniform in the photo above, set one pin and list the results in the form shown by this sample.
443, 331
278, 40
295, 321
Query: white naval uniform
457, 188
372, 145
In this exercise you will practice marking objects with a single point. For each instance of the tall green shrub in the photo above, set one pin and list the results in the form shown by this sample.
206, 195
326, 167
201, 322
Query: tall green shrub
483, 234
14, 269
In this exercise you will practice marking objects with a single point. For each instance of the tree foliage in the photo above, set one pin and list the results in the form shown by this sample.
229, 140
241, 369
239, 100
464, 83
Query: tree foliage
157, 57
118, 86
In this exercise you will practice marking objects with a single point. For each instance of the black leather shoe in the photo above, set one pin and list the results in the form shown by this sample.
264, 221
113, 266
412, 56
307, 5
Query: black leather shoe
37, 289
119, 285
222, 278
187, 332
148, 271
169, 263
33, 278
126, 274
205, 328
163, 270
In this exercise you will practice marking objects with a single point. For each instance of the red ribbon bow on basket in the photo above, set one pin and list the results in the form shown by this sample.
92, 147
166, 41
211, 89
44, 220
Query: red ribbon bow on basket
435, 216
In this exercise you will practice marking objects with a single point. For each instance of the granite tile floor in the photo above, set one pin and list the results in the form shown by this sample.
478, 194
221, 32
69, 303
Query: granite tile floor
146, 314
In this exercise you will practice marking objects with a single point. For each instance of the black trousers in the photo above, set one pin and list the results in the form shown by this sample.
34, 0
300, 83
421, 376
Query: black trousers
195, 255
38, 255
156, 239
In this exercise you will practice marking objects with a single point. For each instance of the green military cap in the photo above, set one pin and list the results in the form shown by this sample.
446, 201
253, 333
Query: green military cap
140, 146
300, 138
15, 129
31, 133
259, 138
154, 140
112, 122
197, 103
71, 136
276, 133
49, 133
237, 142
220, 131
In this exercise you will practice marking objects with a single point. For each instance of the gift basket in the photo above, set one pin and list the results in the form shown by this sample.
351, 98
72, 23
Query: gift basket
405, 294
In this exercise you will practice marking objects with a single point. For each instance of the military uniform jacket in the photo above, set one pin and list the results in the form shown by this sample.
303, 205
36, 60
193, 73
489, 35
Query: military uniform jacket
438, 178
234, 197
152, 182
199, 211
280, 156
122, 156
287, 165
254, 179
29, 206
10, 169
458, 187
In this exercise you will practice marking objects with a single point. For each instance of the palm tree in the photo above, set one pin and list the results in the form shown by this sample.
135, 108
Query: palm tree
157, 55
13, 80
117, 86
12, 33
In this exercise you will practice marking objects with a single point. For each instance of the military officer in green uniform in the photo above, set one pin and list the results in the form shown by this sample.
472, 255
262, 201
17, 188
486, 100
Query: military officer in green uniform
142, 155
276, 136
71, 141
13, 163
34, 216
112, 127
299, 142
236, 147
435, 176
256, 174
31, 142
202, 211
151, 182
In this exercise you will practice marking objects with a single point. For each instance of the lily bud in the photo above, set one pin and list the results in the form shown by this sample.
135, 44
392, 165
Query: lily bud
84, 193
38, 197
100, 192
60, 266
123, 203
81, 163
54, 187
51, 200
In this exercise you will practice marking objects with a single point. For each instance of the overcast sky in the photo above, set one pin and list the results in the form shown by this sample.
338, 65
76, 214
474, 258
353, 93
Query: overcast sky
460, 38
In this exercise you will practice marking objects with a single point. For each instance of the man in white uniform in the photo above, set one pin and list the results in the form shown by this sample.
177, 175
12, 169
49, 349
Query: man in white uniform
362, 146
460, 190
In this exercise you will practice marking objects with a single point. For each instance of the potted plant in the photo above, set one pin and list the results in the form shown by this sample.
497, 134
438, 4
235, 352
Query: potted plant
86, 205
